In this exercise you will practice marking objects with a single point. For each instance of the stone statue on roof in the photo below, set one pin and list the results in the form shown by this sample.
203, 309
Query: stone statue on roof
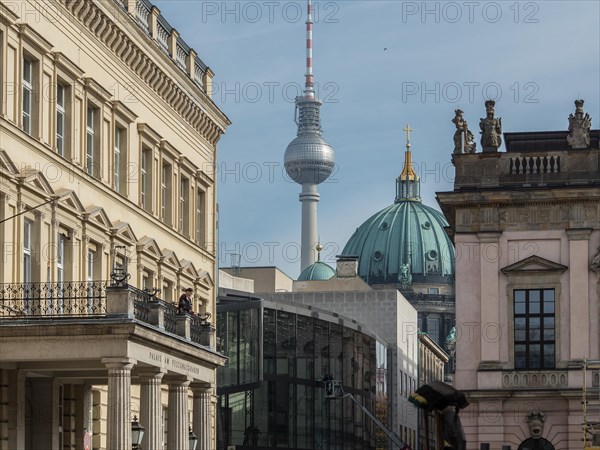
491, 129
579, 127
463, 138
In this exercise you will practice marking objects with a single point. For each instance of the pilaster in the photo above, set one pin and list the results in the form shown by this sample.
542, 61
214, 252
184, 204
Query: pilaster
579, 292
489, 260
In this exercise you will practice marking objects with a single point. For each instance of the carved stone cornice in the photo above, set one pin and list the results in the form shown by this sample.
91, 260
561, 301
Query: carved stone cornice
107, 31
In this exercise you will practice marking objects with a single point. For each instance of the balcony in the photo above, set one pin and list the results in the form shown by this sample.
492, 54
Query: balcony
97, 301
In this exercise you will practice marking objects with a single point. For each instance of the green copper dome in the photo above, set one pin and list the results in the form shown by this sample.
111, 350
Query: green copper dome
404, 243
317, 271
406, 232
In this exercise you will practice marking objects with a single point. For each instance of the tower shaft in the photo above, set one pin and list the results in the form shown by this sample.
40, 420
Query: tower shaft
309, 238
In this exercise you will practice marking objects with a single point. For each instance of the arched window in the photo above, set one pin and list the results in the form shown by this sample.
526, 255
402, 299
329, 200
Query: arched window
536, 444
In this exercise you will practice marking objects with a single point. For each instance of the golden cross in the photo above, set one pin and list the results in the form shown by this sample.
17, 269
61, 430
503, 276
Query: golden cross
408, 129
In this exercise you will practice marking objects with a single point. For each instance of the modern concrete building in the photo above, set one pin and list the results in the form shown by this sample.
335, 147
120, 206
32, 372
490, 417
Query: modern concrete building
108, 140
526, 225
386, 311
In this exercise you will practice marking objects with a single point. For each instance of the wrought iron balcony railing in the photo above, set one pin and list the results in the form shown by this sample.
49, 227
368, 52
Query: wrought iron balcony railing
92, 299
42, 300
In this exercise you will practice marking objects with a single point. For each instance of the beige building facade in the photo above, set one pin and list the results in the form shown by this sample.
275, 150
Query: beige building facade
108, 143
526, 225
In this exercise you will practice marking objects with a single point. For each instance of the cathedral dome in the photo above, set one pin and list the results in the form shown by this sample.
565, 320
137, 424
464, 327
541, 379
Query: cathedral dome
404, 243
406, 232
318, 271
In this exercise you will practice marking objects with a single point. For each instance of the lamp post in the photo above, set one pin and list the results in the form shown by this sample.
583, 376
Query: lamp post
137, 433
193, 440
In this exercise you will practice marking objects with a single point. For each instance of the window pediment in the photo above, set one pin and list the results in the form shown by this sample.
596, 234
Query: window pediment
99, 216
34, 178
69, 199
188, 268
124, 231
205, 279
6, 163
170, 258
532, 265
149, 246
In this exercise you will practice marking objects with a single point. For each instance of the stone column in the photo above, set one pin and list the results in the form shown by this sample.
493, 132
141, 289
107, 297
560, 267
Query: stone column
151, 408
178, 428
119, 403
202, 423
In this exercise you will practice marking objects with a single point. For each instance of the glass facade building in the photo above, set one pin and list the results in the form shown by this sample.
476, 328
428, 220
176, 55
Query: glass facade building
270, 392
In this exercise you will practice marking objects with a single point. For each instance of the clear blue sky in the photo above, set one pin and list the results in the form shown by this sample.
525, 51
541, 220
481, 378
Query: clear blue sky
378, 66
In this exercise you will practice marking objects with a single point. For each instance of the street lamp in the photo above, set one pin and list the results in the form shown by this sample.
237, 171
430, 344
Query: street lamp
193, 440
137, 433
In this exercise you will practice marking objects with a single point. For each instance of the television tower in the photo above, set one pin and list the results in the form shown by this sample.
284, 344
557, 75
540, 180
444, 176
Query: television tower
309, 159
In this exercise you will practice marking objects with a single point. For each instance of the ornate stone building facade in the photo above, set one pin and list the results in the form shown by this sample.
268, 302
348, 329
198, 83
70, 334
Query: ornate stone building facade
526, 227
107, 155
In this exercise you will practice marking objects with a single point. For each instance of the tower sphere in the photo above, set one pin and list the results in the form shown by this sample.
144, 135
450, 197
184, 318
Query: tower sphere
309, 159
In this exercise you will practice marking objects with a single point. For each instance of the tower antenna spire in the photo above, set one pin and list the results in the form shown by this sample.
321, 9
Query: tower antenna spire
309, 160
309, 89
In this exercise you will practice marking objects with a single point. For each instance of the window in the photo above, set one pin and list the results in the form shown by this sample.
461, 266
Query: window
434, 291
60, 259
165, 202
183, 207
92, 141
60, 119
145, 180
120, 138
433, 328
534, 328
27, 94
91, 256
200, 227
27, 267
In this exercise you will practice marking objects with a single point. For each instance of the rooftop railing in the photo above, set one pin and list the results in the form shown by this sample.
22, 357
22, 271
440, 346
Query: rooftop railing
155, 26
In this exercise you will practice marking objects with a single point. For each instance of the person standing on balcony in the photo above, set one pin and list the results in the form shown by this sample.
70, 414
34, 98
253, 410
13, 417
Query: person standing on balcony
185, 302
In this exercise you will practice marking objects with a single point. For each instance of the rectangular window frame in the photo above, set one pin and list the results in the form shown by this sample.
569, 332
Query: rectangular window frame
69, 76
27, 80
120, 138
92, 141
146, 179
184, 205
166, 192
200, 232
61, 118
122, 119
27, 251
530, 333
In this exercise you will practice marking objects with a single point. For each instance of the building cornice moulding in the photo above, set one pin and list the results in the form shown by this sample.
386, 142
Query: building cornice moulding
211, 125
